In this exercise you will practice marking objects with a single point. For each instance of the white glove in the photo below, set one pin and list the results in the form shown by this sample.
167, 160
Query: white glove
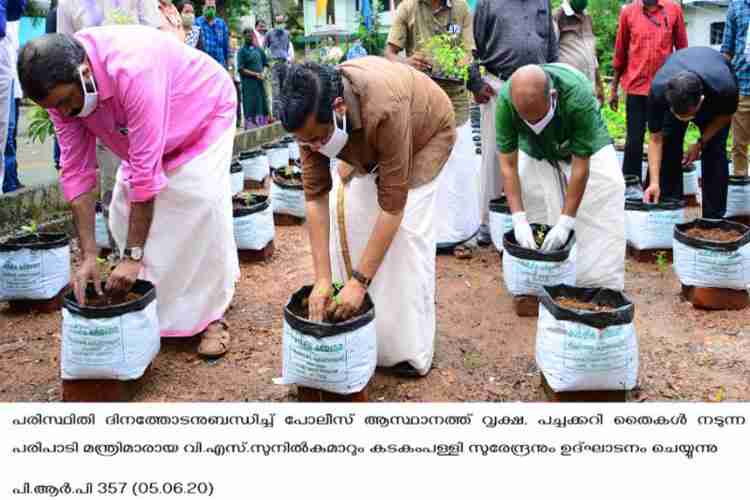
522, 231
558, 235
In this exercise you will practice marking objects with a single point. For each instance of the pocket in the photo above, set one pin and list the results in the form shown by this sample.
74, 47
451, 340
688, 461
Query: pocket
542, 23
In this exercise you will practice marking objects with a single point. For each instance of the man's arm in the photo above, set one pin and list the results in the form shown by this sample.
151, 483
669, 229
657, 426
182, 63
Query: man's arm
579, 177
680, 32
620, 57
655, 152
728, 43
511, 180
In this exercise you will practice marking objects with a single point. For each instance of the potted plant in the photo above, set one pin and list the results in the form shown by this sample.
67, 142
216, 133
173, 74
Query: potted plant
690, 185
34, 269
287, 195
527, 271
237, 176
328, 361
738, 199
586, 341
253, 226
649, 227
633, 187
712, 261
256, 168
447, 56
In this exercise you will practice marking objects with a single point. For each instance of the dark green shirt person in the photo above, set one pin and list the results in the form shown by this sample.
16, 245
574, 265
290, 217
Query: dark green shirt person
576, 129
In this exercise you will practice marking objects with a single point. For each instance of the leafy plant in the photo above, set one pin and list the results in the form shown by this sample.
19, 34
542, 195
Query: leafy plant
335, 290
40, 125
539, 236
447, 55
31, 228
661, 261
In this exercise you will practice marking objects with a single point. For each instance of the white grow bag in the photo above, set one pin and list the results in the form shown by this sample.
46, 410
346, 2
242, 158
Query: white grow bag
287, 198
34, 270
253, 225
738, 196
255, 166
650, 226
501, 221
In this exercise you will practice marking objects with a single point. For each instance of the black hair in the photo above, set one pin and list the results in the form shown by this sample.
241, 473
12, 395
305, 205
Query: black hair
49, 61
183, 4
309, 88
683, 92
259, 22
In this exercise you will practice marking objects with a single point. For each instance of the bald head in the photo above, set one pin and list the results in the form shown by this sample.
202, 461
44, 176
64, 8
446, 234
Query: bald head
530, 90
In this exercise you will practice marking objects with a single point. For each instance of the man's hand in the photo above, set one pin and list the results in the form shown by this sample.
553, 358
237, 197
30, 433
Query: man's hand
522, 231
319, 300
123, 277
419, 62
348, 301
693, 153
614, 99
87, 271
484, 95
559, 234
652, 194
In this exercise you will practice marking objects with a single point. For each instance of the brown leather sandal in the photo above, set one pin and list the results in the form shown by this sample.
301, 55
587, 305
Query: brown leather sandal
216, 340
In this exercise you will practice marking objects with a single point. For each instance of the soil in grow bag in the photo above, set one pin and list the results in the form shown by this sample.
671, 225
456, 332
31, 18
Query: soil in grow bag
719, 234
302, 309
573, 303
284, 177
36, 241
247, 200
107, 299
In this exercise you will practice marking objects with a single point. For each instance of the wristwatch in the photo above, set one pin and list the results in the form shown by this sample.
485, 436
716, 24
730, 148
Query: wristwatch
133, 253
363, 280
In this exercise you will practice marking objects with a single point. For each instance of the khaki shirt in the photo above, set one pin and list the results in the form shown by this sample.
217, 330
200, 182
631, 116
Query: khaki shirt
415, 22
577, 42
401, 123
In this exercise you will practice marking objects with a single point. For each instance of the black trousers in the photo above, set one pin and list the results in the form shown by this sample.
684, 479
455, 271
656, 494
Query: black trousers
714, 166
636, 109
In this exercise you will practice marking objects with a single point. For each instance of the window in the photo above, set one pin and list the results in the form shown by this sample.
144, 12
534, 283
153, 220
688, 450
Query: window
717, 33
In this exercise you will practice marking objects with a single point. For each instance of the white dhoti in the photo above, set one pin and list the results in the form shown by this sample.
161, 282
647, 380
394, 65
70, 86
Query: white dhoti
190, 254
403, 289
600, 222
491, 182
457, 209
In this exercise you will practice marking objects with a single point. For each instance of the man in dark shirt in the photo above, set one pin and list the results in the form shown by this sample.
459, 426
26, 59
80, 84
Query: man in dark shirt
508, 35
695, 84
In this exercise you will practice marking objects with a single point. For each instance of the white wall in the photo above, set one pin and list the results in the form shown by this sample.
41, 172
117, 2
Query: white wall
699, 19
347, 17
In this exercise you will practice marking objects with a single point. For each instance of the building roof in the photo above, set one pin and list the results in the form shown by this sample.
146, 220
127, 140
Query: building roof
717, 3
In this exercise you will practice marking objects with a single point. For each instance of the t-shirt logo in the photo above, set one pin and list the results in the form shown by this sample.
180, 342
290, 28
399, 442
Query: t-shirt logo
454, 28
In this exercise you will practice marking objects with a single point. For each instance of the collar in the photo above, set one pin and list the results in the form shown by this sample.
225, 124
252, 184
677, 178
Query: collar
659, 4
567, 9
354, 112
446, 5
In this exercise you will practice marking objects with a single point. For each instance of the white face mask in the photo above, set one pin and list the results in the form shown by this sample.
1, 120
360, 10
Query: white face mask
539, 126
90, 99
336, 143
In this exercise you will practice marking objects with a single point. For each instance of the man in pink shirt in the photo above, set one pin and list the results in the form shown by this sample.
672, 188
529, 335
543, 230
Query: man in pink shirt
169, 114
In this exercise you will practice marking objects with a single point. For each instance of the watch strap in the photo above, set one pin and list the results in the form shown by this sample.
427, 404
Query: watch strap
364, 280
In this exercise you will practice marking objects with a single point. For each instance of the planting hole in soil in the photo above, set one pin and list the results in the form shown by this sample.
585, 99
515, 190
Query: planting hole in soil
540, 234
714, 234
108, 300
303, 311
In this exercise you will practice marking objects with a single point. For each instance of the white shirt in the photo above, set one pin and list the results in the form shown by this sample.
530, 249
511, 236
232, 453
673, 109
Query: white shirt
12, 29
75, 15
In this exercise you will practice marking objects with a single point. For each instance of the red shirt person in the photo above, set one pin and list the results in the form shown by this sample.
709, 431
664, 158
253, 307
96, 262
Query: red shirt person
648, 32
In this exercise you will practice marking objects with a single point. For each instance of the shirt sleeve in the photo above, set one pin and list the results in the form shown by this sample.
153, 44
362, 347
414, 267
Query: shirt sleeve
553, 51
730, 32
148, 13
316, 173
65, 18
680, 35
657, 110
620, 58
479, 24
399, 27
585, 114
77, 156
14, 9
506, 123
147, 112
393, 147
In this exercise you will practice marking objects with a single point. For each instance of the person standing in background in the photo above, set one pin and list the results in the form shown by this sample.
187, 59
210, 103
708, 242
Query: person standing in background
251, 62
648, 32
506, 38
192, 31
578, 43
214, 34
260, 33
234, 71
11, 182
10, 10
736, 48
75, 15
356, 50
279, 42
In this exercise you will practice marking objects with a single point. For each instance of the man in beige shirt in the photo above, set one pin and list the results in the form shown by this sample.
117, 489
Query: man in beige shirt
75, 15
414, 24
578, 43
394, 128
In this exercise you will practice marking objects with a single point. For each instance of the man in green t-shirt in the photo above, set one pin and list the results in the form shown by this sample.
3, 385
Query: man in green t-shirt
566, 173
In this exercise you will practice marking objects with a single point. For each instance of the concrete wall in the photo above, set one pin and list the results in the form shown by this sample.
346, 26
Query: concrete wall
699, 19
